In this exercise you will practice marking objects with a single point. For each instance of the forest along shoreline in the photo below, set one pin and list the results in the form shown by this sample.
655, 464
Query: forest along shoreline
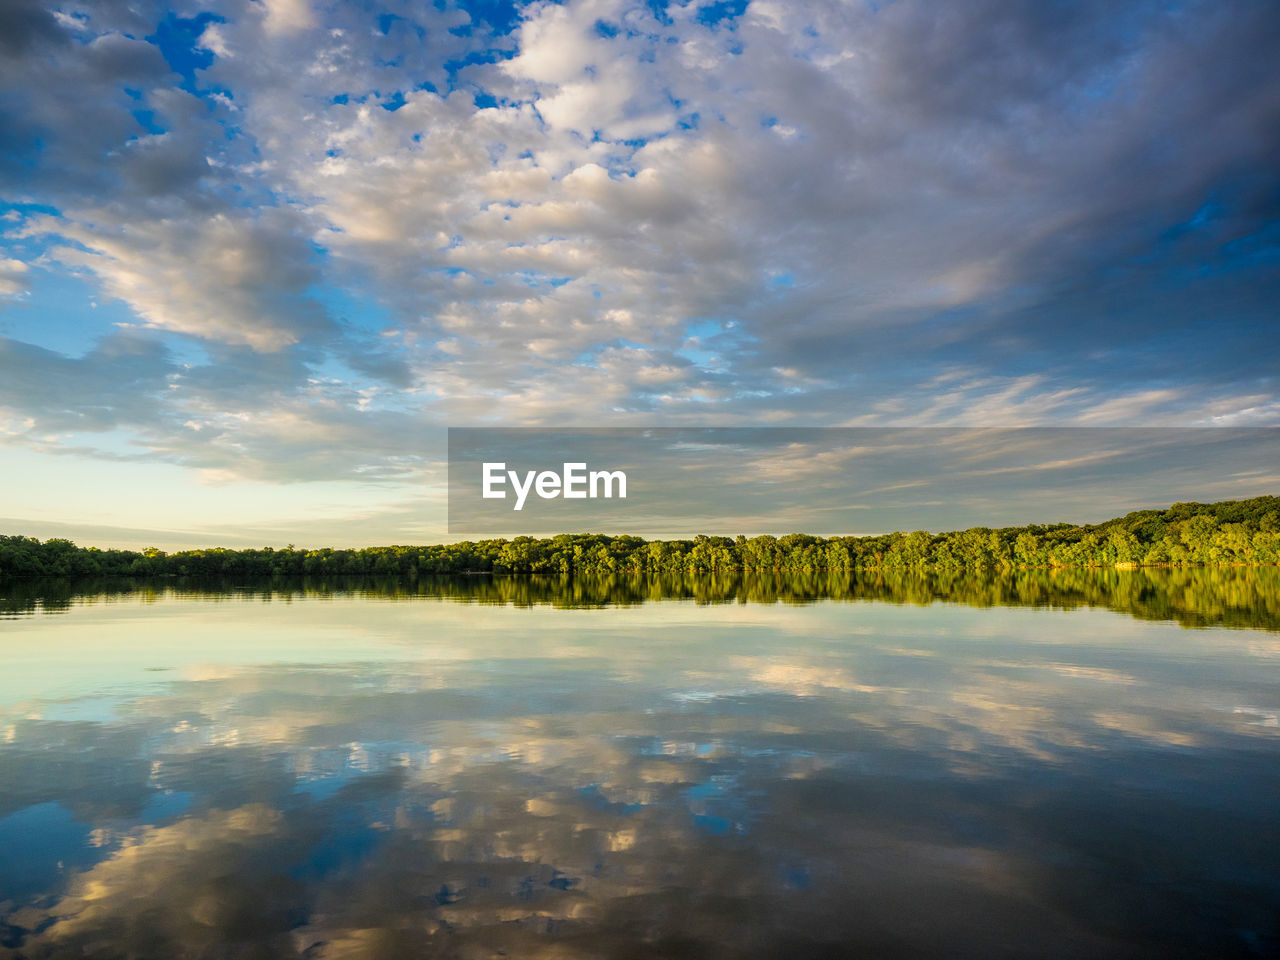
1229, 533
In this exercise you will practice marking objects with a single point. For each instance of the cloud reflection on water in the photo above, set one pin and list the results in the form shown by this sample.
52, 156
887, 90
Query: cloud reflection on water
661, 781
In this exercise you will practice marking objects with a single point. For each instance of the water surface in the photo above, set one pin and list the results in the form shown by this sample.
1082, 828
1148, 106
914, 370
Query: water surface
1063, 765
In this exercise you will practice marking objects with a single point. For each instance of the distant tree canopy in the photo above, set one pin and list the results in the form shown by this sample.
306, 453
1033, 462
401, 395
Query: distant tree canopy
1230, 532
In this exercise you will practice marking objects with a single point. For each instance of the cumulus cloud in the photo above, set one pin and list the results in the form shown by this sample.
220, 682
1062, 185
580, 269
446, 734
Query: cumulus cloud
603, 211
237, 281
13, 277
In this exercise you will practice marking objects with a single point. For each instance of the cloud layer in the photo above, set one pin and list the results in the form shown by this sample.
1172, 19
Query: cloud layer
329, 226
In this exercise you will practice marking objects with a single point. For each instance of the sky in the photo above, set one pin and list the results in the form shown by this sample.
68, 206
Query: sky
257, 255
860, 480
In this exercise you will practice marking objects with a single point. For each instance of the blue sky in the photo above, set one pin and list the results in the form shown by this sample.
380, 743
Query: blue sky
255, 255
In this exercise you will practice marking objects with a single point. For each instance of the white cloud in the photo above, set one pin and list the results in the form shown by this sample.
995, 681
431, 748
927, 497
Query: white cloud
287, 16
859, 209
13, 277
238, 280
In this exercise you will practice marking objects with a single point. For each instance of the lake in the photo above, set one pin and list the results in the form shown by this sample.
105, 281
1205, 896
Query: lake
1048, 764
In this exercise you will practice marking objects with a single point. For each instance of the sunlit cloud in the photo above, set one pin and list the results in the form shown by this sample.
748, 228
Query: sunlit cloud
604, 212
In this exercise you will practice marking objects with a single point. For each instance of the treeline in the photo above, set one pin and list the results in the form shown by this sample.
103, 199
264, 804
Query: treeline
1230, 532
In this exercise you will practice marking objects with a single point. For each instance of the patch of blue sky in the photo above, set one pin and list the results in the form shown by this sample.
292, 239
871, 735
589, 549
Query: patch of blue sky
1102, 86
484, 99
659, 10
330, 368
11, 213
1255, 249
1195, 233
147, 120
619, 162
473, 58
360, 312
28, 154
62, 312
713, 338
626, 344
721, 12
696, 348
501, 16
177, 38
1257, 252
698, 399
727, 330
701, 328
1207, 211
187, 351
639, 143
704, 359
1203, 215
536, 278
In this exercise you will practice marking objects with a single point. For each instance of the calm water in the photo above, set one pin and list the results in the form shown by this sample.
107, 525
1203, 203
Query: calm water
1079, 765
